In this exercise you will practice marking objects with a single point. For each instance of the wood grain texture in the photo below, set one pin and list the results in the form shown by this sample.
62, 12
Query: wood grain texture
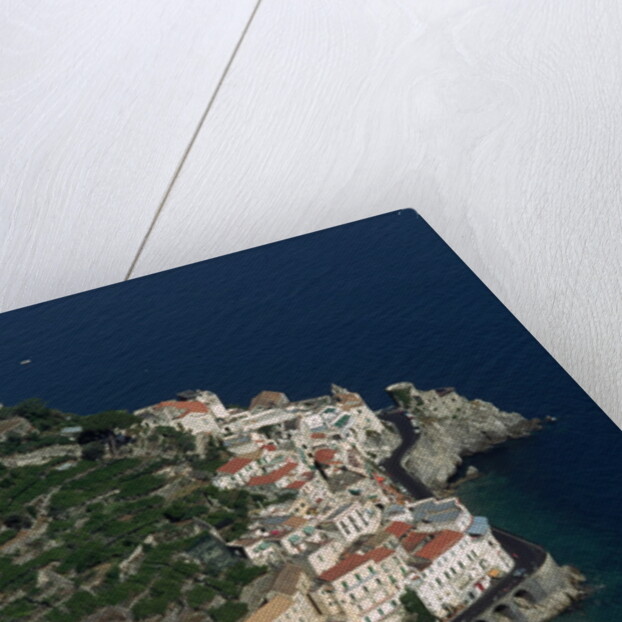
498, 121
98, 102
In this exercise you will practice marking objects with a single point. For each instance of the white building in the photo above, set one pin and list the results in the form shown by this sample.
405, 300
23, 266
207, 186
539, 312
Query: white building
431, 515
354, 520
325, 556
363, 586
235, 473
454, 568
191, 415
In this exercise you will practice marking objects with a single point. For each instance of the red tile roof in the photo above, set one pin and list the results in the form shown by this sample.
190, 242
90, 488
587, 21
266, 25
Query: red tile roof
382, 552
441, 543
324, 455
268, 399
413, 539
354, 560
318, 435
274, 476
398, 528
346, 565
349, 400
297, 484
234, 465
190, 406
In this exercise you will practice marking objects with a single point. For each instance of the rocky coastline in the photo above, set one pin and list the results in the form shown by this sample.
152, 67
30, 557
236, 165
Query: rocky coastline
453, 427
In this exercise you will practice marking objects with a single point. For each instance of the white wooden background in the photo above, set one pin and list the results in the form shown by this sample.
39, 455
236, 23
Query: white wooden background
139, 136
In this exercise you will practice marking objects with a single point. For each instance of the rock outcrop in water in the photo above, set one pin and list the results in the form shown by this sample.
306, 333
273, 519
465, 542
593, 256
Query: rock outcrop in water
453, 427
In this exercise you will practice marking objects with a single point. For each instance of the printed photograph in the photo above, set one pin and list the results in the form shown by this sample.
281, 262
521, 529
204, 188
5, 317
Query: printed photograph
346, 426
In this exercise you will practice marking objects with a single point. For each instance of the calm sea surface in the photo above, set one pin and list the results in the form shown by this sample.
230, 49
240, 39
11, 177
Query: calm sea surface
365, 305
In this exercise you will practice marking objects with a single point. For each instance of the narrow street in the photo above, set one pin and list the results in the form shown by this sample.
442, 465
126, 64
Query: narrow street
393, 465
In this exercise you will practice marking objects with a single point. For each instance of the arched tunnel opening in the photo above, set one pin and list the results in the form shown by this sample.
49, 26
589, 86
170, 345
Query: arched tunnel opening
524, 597
503, 613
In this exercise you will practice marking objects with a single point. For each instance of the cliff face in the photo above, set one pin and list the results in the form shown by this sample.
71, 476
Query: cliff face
452, 427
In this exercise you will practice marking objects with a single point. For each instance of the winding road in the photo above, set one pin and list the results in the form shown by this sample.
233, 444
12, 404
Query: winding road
527, 555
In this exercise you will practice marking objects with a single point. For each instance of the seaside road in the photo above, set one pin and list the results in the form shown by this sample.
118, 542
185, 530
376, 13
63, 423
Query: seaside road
393, 464
526, 555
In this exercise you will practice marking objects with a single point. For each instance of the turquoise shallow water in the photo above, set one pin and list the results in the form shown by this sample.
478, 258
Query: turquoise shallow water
568, 524
365, 305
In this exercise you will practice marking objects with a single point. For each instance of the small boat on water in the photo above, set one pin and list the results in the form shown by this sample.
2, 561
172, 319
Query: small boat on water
25, 362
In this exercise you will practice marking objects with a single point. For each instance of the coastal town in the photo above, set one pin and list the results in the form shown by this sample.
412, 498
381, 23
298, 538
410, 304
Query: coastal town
313, 510
346, 542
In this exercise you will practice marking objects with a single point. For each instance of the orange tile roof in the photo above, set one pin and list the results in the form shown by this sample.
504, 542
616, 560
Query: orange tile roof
413, 539
354, 560
349, 400
190, 406
324, 455
233, 466
346, 565
398, 528
295, 521
382, 552
272, 610
267, 399
274, 476
441, 543
299, 483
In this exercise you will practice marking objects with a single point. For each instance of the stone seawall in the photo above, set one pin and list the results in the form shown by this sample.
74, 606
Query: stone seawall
542, 596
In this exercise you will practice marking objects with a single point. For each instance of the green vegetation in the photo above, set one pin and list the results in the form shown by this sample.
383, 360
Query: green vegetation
229, 612
176, 440
402, 397
38, 415
108, 420
95, 512
199, 596
412, 603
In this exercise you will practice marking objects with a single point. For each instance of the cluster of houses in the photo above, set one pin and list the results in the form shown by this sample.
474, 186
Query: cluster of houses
348, 542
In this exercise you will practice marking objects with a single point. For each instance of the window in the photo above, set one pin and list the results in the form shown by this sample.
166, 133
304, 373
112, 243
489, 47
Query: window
439, 582
344, 585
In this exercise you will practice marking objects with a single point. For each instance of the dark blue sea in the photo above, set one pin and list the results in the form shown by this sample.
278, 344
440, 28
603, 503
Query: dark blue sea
363, 305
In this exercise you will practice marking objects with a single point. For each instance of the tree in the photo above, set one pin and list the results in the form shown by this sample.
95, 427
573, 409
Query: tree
93, 451
17, 521
229, 612
412, 603
108, 420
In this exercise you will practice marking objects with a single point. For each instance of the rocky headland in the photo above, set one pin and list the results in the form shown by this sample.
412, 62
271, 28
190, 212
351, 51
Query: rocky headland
452, 427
